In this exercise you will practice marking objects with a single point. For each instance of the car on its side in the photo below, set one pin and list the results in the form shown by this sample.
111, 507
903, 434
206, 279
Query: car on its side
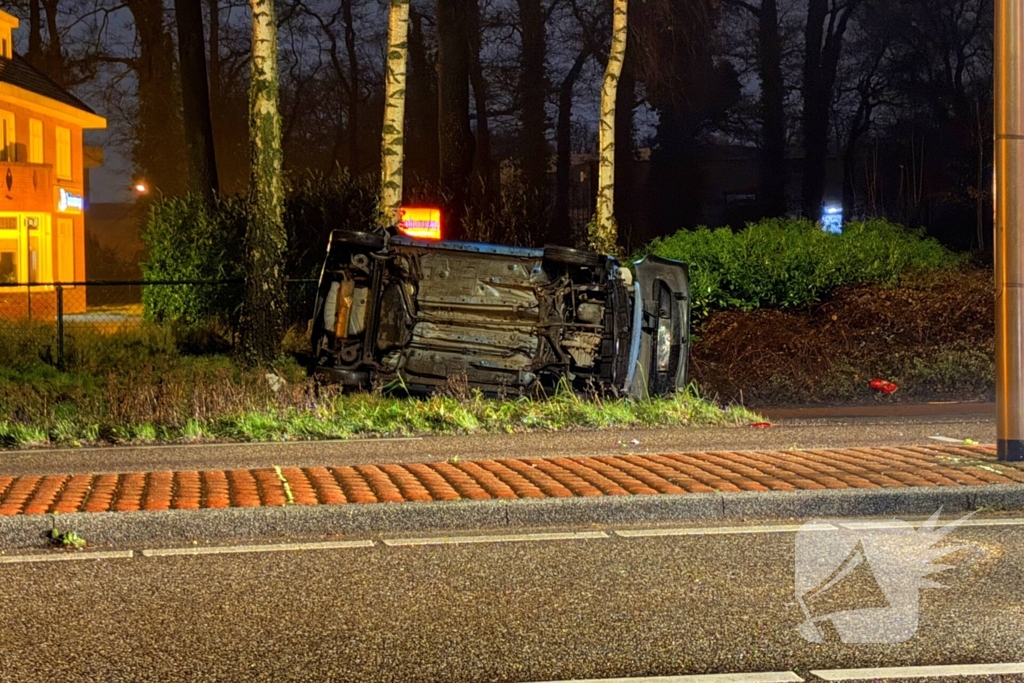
501, 319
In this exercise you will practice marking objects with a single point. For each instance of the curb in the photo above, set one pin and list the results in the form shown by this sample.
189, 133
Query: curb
266, 523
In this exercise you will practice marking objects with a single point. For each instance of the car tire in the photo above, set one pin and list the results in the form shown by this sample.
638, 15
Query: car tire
356, 238
571, 257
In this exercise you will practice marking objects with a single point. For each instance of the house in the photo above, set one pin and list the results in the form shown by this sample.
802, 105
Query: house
42, 185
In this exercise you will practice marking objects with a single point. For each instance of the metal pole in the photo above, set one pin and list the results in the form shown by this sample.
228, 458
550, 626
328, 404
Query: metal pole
1009, 226
60, 327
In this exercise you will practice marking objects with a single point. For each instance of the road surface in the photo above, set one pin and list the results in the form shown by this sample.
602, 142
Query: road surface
611, 603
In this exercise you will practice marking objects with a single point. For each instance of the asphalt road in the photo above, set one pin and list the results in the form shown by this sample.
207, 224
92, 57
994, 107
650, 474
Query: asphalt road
788, 433
600, 607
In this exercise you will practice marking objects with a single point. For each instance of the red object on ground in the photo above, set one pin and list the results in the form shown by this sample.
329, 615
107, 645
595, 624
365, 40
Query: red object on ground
761, 425
883, 386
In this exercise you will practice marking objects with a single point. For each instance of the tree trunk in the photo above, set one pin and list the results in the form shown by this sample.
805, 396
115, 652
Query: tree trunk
821, 61
353, 83
455, 137
158, 151
392, 142
195, 99
214, 53
35, 34
421, 131
561, 220
773, 113
604, 233
266, 242
483, 170
625, 102
533, 97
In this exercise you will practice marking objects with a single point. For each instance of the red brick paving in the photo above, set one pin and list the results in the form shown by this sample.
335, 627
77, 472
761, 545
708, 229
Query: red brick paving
668, 474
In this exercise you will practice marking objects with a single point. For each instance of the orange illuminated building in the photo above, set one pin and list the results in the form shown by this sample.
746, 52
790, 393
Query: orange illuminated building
42, 184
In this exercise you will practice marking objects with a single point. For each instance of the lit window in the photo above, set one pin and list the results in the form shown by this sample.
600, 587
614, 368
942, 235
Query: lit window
8, 148
63, 153
35, 143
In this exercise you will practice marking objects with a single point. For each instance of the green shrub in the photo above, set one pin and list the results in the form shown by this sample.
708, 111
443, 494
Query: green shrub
792, 263
190, 240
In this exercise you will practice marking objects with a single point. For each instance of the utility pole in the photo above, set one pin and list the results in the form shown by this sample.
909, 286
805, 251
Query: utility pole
1009, 227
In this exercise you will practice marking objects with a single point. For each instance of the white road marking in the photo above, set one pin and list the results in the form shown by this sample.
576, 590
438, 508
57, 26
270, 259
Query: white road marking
946, 439
765, 677
68, 557
793, 528
920, 671
235, 549
724, 530
507, 538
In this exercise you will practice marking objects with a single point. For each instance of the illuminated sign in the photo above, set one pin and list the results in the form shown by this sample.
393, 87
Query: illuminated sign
69, 201
419, 223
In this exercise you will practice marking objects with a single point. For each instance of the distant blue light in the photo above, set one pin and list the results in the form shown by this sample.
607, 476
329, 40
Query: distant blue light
832, 220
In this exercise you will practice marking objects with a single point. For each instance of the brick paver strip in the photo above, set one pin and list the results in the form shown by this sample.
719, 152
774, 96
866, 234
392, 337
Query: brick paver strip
517, 478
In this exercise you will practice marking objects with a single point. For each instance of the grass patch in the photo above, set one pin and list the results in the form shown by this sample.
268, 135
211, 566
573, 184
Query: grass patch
186, 399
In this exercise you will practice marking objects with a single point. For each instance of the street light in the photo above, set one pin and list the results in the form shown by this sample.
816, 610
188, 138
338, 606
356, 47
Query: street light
1009, 227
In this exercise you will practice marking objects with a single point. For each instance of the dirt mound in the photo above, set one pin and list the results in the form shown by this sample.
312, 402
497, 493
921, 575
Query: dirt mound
933, 337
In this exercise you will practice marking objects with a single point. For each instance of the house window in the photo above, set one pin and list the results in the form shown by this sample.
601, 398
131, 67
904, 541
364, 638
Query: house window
63, 153
9, 250
35, 143
8, 147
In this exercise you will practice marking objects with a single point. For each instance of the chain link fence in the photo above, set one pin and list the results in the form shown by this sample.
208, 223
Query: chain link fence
54, 321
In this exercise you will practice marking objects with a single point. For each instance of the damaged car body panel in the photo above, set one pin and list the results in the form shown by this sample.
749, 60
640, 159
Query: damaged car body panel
503, 319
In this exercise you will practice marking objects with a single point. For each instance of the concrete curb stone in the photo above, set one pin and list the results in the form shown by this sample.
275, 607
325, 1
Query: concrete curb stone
211, 526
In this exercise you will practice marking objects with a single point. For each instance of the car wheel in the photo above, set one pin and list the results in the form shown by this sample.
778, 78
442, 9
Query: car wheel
571, 257
357, 238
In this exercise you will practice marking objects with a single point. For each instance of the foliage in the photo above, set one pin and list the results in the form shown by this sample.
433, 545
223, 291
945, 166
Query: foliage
67, 539
314, 205
782, 263
518, 217
189, 240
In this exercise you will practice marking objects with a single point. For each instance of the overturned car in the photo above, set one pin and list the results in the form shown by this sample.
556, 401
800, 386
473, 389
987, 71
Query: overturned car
501, 319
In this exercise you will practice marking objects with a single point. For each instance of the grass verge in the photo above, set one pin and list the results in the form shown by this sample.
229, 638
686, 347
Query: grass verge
209, 399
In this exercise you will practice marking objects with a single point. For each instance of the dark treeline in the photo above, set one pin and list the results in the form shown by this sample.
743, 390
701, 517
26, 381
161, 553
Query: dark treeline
735, 109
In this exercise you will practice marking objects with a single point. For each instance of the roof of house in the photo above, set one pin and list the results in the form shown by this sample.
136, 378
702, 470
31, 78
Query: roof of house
20, 73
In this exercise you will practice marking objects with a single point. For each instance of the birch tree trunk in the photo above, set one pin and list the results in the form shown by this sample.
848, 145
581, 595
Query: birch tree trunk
604, 232
392, 139
265, 239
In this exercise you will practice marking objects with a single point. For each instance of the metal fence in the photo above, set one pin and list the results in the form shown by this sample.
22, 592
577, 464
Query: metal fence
48, 319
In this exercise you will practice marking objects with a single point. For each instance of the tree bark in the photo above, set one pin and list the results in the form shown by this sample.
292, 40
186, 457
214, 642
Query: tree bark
214, 52
393, 141
195, 99
421, 130
533, 97
821, 60
773, 112
35, 34
561, 220
483, 170
604, 232
158, 151
353, 84
266, 241
455, 137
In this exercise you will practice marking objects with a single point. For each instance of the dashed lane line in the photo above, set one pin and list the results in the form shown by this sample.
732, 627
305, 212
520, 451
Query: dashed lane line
502, 538
67, 557
723, 530
274, 548
765, 677
953, 670
793, 528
